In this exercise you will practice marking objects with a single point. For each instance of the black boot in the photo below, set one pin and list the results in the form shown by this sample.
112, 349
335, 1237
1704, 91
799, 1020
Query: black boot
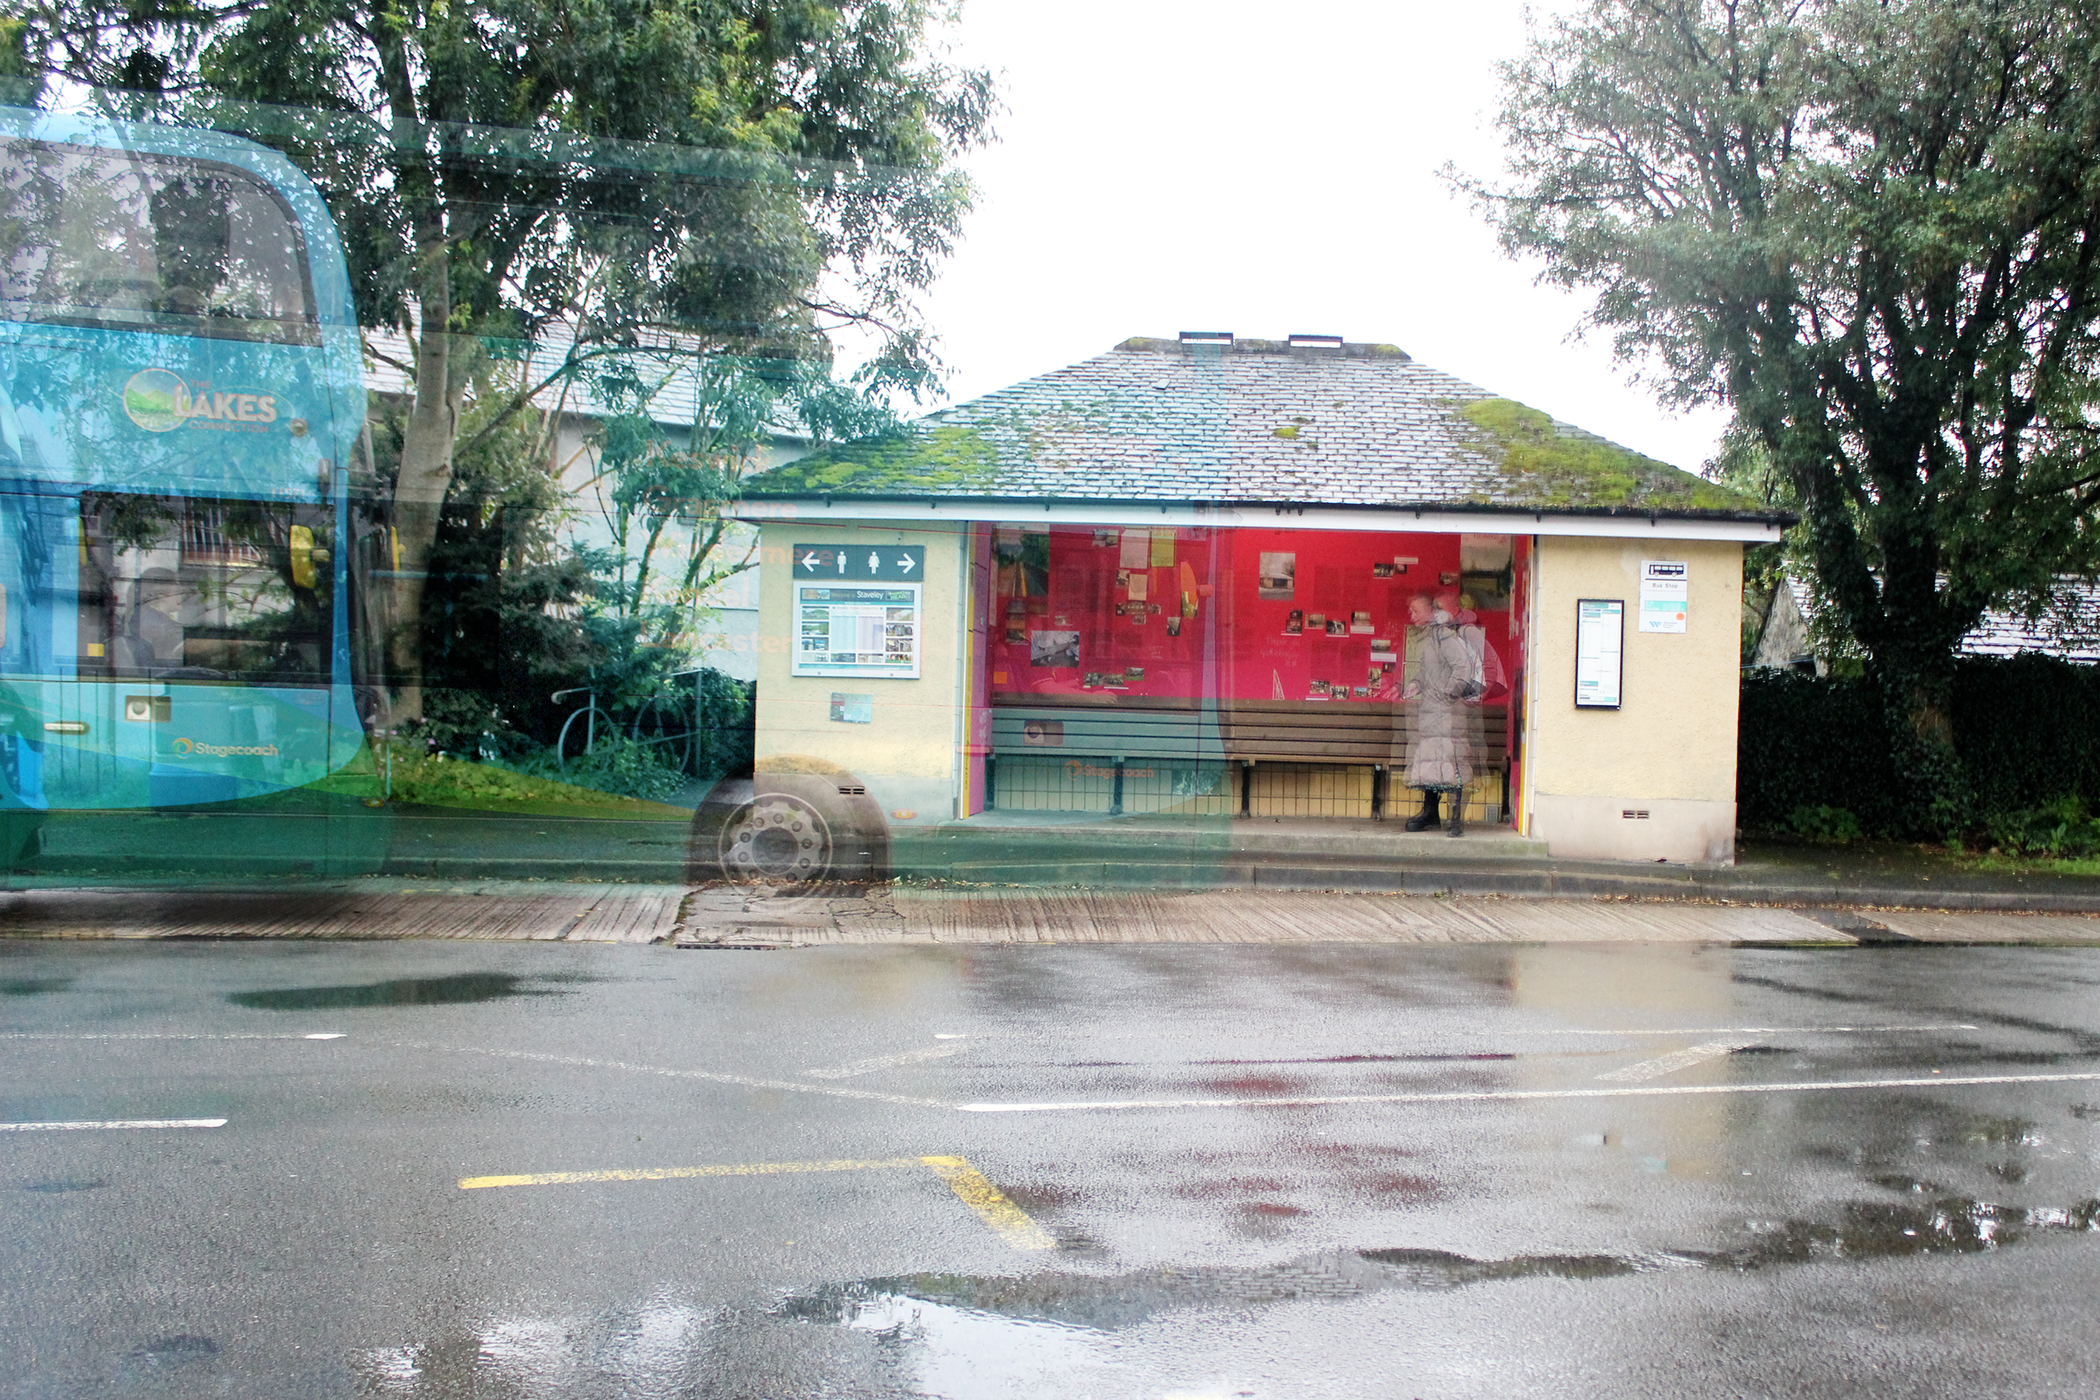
1457, 825
1426, 818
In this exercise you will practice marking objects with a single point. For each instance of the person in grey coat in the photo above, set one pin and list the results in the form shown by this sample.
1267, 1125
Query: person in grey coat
1441, 679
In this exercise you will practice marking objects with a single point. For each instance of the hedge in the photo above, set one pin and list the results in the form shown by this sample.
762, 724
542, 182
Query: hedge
2027, 729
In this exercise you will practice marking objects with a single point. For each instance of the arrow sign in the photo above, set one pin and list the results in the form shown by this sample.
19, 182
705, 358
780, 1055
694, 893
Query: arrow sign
887, 563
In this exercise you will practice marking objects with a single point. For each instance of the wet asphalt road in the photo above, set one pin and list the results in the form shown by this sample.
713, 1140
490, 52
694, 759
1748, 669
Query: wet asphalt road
1162, 1171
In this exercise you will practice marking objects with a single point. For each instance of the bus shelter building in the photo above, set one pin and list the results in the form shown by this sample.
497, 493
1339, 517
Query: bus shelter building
1205, 577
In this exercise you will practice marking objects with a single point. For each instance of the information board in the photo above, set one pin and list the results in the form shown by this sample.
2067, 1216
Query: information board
847, 629
1600, 645
1665, 589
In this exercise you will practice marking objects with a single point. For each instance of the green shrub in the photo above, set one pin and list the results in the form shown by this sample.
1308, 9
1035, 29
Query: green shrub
2061, 829
616, 764
1832, 824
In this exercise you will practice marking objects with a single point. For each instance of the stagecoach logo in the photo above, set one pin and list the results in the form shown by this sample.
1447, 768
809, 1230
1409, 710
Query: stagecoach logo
225, 750
159, 401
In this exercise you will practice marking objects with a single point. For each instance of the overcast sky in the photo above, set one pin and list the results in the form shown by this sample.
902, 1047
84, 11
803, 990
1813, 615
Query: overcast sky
1263, 169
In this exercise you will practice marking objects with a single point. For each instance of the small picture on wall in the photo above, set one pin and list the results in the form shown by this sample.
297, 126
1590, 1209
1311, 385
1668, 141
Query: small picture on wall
1135, 673
1278, 581
852, 709
1053, 648
1294, 625
1090, 680
1317, 690
1105, 539
1337, 628
1447, 580
1173, 627
1489, 592
1387, 570
1360, 623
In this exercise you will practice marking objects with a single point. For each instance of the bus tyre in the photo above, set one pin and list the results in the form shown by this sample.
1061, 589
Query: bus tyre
790, 829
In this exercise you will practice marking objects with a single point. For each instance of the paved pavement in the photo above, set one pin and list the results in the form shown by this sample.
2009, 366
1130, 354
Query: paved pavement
452, 848
728, 917
440, 1170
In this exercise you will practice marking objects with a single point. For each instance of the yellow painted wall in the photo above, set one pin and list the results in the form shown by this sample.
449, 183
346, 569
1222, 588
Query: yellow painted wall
1655, 778
1674, 735
913, 734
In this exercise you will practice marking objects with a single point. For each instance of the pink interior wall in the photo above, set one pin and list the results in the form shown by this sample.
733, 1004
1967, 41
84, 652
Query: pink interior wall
1218, 574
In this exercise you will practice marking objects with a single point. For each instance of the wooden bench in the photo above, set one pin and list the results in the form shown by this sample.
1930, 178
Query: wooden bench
1114, 729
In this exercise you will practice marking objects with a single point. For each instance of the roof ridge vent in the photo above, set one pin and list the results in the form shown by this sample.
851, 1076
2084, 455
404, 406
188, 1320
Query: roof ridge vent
1303, 341
1206, 337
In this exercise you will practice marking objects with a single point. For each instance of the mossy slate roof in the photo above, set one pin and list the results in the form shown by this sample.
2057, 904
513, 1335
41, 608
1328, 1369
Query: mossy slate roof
1257, 421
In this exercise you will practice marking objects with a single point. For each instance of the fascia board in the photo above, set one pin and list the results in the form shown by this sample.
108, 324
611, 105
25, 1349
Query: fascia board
1427, 520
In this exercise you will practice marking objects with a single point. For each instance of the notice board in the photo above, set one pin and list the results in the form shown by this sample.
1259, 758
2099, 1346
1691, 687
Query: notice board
1600, 652
857, 610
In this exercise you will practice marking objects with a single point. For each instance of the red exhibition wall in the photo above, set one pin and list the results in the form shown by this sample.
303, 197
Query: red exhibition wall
1098, 614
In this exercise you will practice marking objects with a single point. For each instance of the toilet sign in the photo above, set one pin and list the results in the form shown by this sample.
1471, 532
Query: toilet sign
862, 563
1665, 591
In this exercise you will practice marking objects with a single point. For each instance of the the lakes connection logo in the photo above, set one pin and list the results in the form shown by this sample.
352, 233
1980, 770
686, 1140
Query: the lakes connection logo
192, 746
160, 401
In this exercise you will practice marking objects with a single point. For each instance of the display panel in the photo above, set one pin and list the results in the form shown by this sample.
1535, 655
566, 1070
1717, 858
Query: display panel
1192, 613
1600, 643
857, 630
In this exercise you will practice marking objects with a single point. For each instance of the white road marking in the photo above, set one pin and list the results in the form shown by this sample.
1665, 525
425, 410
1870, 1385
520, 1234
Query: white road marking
1675, 1060
1759, 1030
1523, 1095
875, 1062
114, 1123
326, 1035
149, 1035
743, 1081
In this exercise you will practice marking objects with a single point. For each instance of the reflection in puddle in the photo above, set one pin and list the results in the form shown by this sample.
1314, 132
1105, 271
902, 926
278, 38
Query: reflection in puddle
406, 991
960, 1352
32, 986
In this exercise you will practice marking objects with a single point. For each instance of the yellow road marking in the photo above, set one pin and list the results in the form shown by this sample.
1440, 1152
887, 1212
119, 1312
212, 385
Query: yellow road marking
1007, 1220
475, 1183
970, 1186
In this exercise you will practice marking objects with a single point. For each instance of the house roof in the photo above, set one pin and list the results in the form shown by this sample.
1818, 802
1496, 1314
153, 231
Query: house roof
1255, 421
2069, 628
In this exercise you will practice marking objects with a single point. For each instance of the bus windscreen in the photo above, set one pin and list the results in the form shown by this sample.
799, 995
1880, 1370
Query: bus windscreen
102, 237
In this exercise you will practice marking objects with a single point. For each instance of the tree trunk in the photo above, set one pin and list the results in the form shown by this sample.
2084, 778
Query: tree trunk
425, 476
1917, 698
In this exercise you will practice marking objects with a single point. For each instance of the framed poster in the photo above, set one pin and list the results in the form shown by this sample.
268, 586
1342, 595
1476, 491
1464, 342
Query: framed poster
1600, 652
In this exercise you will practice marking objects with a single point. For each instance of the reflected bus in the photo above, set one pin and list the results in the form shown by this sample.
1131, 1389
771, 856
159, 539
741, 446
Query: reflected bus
180, 397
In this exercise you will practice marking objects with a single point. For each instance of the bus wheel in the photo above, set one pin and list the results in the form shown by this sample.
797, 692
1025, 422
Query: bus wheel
790, 829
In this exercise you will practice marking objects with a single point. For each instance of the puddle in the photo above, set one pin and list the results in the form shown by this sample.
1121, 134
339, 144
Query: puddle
1861, 1230
32, 986
1059, 1335
175, 1351
407, 991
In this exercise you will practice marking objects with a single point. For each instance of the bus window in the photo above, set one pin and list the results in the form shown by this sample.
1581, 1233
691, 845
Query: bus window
91, 236
122, 587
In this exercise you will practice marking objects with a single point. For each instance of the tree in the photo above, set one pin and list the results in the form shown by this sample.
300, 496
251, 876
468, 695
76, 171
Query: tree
709, 176
1871, 227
